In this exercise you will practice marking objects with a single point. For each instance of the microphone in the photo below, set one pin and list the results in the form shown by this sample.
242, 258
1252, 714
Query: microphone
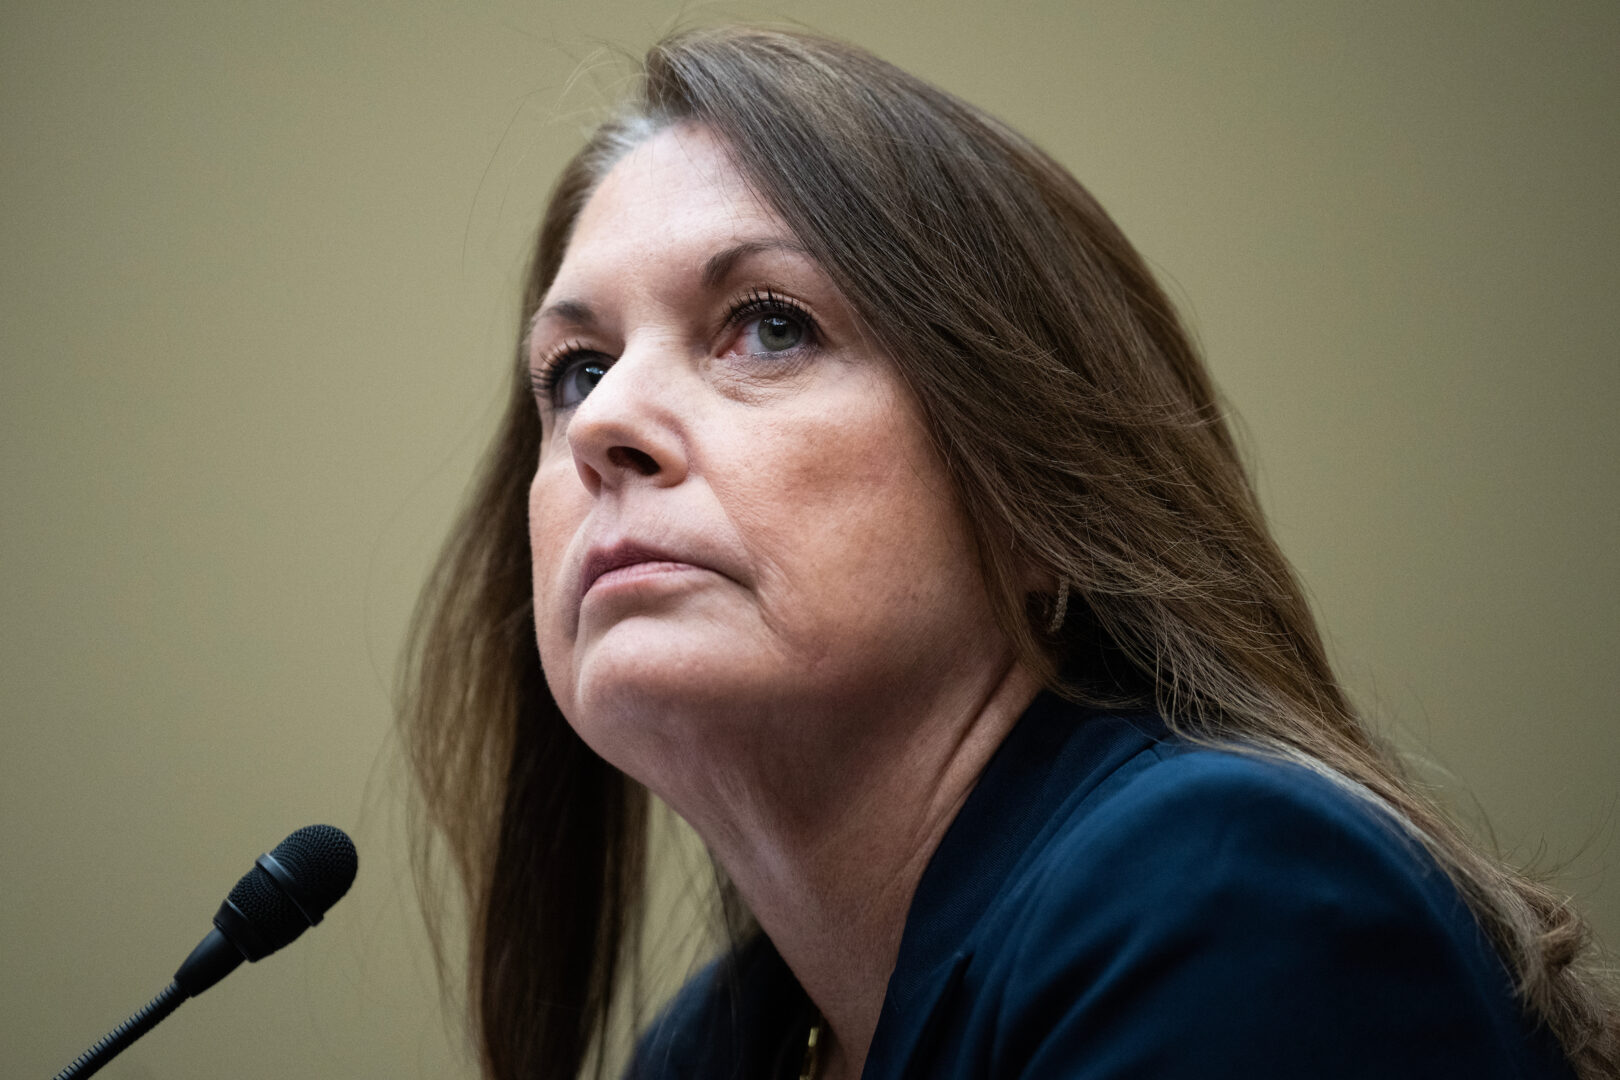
287, 891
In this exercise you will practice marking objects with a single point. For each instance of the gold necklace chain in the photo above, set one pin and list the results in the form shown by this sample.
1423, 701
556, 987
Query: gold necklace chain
812, 1052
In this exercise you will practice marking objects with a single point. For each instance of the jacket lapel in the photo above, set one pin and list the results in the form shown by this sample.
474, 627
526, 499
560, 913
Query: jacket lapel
1055, 756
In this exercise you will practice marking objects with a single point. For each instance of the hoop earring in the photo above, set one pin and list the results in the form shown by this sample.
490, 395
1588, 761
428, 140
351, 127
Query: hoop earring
1060, 610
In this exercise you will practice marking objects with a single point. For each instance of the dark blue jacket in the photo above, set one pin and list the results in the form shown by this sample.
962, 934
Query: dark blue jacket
1111, 902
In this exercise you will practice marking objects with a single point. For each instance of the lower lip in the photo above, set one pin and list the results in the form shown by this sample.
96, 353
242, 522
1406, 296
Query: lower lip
626, 577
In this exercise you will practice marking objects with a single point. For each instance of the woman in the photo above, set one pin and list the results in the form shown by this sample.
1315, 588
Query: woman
861, 496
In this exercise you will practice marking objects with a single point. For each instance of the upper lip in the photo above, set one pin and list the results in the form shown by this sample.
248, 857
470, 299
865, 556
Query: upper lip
601, 560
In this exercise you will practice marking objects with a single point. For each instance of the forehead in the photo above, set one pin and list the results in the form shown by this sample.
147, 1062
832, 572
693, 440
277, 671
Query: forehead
676, 194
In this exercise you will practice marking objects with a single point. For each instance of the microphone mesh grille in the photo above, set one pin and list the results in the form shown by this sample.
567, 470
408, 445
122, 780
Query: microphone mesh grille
323, 861
267, 907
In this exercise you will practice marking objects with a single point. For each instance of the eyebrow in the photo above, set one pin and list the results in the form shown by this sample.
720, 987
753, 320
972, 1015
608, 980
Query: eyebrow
716, 267
576, 312
721, 263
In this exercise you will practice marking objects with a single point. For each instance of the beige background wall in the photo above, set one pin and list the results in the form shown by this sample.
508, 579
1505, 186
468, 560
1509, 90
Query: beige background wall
257, 273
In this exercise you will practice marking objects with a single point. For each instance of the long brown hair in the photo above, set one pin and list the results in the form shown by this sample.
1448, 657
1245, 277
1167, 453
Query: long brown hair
1083, 436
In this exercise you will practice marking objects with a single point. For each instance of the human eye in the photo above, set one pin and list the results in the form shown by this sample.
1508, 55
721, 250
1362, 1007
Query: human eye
770, 325
568, 374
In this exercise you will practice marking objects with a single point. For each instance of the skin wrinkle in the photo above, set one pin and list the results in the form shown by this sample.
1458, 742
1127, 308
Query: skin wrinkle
819, 708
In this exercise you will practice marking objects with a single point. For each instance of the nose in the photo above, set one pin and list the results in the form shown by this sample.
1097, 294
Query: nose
628, 429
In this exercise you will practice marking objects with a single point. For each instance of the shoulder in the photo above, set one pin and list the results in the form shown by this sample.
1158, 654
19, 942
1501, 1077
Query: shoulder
1190, 821
1233, 848
1216, 913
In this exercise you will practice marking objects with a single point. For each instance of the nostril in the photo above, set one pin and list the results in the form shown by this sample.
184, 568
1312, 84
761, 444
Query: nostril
632, 460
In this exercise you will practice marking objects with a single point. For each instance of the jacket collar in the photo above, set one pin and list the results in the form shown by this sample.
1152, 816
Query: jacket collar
1055, 756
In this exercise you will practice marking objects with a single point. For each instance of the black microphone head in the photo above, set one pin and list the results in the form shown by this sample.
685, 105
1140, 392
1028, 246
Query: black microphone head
322, 860
288, 890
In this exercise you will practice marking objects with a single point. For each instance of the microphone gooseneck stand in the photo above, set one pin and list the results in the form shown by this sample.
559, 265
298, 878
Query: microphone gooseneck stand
287, 891
114, 1042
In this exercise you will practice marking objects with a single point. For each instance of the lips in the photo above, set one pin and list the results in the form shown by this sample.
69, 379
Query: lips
603, 560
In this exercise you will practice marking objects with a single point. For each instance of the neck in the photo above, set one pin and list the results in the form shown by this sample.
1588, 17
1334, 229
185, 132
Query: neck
827, 855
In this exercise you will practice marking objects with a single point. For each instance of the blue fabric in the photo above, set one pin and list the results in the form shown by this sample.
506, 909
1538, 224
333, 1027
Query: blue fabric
1113, 903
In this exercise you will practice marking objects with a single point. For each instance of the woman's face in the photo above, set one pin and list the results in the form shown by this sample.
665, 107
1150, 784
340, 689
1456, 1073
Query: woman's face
736, 513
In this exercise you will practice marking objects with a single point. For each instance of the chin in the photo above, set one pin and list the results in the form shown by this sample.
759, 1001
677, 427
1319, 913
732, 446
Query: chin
646, 684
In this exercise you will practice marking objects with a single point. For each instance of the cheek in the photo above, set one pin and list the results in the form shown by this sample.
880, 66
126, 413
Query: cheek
557, 505
855, 530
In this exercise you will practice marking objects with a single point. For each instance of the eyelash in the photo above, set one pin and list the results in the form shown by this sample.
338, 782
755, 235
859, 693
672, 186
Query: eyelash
758, 302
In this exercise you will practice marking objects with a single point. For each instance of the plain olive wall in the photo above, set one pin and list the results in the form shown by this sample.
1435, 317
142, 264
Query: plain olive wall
258, 268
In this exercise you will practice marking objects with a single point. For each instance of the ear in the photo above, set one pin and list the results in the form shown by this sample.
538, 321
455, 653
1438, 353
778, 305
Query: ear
1039, 580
